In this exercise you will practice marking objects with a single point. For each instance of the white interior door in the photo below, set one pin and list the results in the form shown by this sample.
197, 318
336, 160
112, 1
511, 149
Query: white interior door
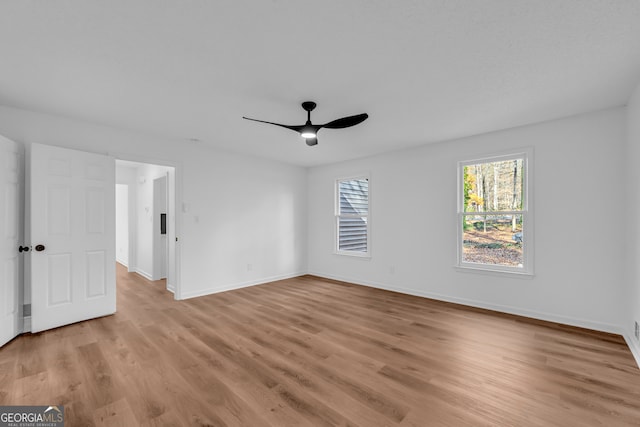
72, 235
11, 232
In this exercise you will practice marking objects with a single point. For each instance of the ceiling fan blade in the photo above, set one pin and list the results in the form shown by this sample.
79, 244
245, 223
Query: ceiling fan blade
293, 128
346, 122
311, 141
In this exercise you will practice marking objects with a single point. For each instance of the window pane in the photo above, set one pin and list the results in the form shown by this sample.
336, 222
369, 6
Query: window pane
493, 186
352, 234
354, 196
492, 239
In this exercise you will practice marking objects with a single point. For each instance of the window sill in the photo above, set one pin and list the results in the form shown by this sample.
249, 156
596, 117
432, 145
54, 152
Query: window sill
492, 272
365, 256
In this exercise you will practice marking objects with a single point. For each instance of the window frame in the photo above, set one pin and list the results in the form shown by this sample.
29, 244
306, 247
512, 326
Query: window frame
337, 216
527, 269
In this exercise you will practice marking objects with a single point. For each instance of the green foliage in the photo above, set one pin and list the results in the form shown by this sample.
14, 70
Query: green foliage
480, 225
467, 187
489, 245
492, 245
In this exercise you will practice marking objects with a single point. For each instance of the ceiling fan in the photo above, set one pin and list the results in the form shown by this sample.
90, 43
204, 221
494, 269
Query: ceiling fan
309, 131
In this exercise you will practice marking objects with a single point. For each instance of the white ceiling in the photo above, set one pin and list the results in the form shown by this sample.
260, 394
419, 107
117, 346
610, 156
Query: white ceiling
424, 70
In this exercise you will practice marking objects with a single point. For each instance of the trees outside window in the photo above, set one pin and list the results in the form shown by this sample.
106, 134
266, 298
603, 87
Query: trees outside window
495, 225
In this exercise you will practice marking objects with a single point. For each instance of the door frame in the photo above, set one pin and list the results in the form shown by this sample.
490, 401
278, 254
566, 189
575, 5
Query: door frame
177, 167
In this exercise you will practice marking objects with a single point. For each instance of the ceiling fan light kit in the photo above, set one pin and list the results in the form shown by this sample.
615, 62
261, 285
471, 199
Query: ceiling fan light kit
309, 131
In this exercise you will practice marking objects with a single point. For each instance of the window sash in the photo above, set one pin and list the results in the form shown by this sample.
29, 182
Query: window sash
526, 162
352, 216
527, 228
353, 234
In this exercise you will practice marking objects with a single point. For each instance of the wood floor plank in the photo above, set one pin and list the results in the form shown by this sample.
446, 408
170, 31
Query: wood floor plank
314, 352
115, 414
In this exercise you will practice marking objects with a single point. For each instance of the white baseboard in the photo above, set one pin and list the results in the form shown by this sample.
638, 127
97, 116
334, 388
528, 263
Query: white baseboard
144, 274
634, 346
550, 317
187, 295
119, 261
26, 325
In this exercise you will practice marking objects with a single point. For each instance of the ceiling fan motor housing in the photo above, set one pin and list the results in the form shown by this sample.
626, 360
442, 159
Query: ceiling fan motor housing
309, 106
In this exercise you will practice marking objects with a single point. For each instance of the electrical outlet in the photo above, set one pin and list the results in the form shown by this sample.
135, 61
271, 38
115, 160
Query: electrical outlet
637, 331
249, 267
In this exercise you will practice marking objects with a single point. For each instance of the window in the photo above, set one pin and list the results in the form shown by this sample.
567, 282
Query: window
495, 227
352, 216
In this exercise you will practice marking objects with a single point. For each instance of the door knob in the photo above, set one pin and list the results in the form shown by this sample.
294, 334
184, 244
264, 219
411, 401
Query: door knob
40, 248
23, 249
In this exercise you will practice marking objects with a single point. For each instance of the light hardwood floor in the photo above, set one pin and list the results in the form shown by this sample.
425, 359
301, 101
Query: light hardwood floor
313, 352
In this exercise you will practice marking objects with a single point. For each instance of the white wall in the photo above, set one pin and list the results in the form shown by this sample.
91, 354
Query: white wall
122, 224
159, 240
127, 176
146, 174
632, 226
243, 210
249, 216
579, 254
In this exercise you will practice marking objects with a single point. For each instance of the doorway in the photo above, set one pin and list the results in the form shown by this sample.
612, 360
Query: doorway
147, 226
65, 202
